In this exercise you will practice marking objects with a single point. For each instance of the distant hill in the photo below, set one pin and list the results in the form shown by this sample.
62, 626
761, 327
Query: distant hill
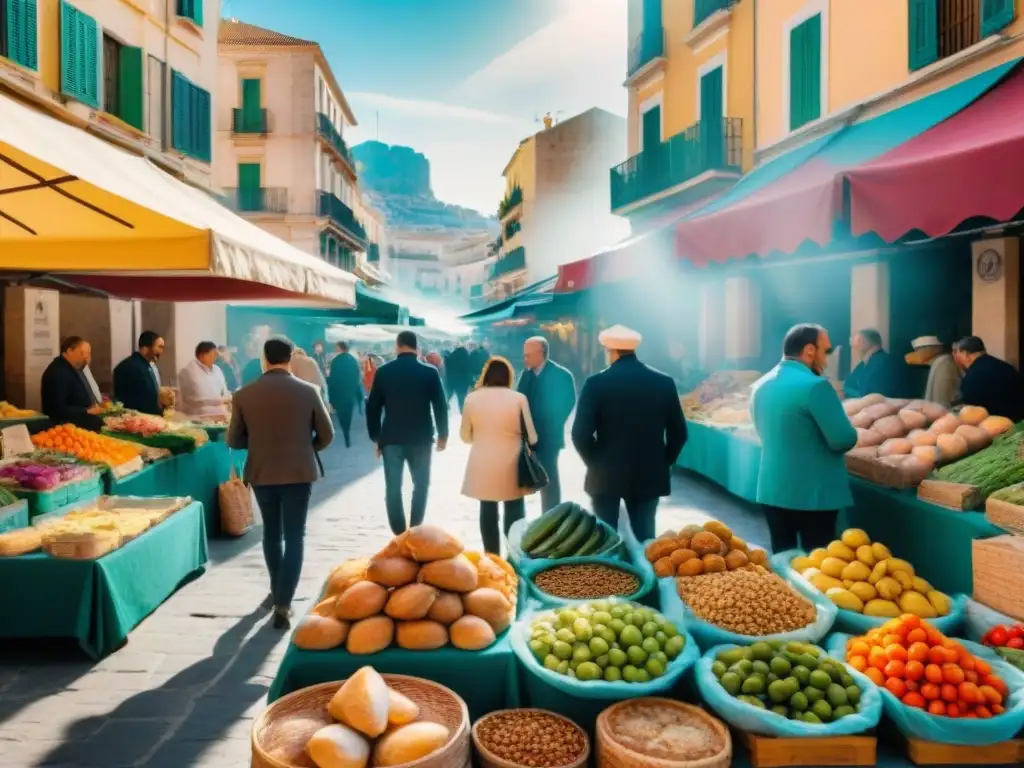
398, 179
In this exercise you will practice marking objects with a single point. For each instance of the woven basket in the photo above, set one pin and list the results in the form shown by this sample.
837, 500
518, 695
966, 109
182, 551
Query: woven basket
611, 754
234, 498
85, 546
437, 704
487, 759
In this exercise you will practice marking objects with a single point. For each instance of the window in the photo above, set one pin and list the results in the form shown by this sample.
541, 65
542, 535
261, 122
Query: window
941, 28
155, 95
122, 81
79, 55
18, 32
249, 187
650, 131
712, 114
191, 10
805, 72
190, 118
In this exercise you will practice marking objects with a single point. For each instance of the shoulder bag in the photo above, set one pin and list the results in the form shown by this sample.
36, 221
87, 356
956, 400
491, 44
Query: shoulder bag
532, 475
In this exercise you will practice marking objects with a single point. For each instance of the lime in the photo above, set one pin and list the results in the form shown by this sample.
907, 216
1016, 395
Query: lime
582, 629
754, 684
761, 651
566, 636
661, 637
747, 666
631, 636
629, 673
802, 673
617, 657
573, 663
567, 616
661, 657
771, 678
731, 656
539, 649
823, 710
650, 645
636, 655
732, 683
760, 667
780, 709
642, 676
753, 701
562, 650
820, 679
588, 670
600, 605
598, 647
853, 694
638, 619
779, 691
618, 611
580, 652
602, 661
669, 629
654, 668
844, 711
845, 679
799, 702
650, 629
608, 635
780, 666
810, 717
551, 661
674, 646
612, 674
601, 617
563, 668
836, 695
807, 660
814, 694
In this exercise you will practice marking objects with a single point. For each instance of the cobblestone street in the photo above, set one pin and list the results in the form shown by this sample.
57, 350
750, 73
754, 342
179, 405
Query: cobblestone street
185, 689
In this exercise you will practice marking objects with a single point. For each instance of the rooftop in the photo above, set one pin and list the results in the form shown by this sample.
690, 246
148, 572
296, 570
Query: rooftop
235, 32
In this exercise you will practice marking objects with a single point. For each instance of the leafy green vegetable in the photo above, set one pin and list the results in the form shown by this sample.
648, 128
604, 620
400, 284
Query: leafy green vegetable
996, 467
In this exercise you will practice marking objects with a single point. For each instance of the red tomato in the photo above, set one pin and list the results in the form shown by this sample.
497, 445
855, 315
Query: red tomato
997, 636
1015, 642
1017, 630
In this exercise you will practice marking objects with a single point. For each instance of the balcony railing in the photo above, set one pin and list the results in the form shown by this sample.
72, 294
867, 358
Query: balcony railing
330, 206
257, 199
373, 252
512, 261
703, 9
330, 134
649, 45
704, 146
249, 121
512, 199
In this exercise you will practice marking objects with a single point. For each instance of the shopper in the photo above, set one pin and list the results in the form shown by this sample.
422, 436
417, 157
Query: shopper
135, 382
629, 430
282, 422
458, 374
992, 383
344, 389
943, 373
493, 421
802, 482
878, 372
204, 392
398, 419
304, 367
551, 391
67, 394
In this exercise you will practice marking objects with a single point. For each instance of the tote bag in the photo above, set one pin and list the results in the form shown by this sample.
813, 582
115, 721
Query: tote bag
531, 474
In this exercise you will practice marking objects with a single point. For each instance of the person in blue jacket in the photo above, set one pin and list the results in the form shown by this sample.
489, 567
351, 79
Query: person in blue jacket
802, 482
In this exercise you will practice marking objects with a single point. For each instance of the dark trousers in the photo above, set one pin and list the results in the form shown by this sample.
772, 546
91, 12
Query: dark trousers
514, 510
550, 494
792, 528
395, 458
284, 509
641, 514
344, 413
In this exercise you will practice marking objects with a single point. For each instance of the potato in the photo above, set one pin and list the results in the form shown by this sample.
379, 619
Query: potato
913, 419
922, 437
952, 447
975, 437
889, 427
972, 415
946, 425
867, 438
879, 410
895, 446
862, 420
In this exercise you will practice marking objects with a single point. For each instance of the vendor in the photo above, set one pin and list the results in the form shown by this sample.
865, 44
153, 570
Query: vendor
67, 395
135, 379
992, 383
204, 392
877, 372
943, 374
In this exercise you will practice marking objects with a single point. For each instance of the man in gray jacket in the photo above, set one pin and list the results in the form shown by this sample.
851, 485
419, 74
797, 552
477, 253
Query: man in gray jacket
282, 422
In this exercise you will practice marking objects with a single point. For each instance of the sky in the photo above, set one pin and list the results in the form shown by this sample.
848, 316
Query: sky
462, 81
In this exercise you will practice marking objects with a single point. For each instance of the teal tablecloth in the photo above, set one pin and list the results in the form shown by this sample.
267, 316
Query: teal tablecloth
721, 456
487, 680
935, 540
98, 602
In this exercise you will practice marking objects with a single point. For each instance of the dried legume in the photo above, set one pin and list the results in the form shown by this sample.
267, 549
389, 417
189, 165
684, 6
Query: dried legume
748, 602
586, 581
534, 739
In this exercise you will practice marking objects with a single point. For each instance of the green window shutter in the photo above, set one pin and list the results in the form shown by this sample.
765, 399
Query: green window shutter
805, 73
191, 9
923, 32
181, 111
130, 86
796, 86
21, 23
201, 139
30, 19
92, 59
712, 112
251, 98
652, 129
248, 175
70, 75
995, 14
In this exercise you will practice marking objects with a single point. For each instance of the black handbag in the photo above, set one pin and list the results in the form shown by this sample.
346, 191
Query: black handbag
532, 474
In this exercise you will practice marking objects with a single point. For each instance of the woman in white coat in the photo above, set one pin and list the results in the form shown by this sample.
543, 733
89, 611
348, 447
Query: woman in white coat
492, 422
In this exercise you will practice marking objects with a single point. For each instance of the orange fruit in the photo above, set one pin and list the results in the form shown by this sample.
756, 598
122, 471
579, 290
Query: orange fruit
858, 648
933, 673
937, 655
951, 673
875, 675
952, 710
891, 639
983, 711
896, 687
859, 663
914, 670
914, 700
894, 669
896, 652
930, 691
982, 667
970, 693
992, 696
918, 652
949, 692
910, 621
937, 708
877, 658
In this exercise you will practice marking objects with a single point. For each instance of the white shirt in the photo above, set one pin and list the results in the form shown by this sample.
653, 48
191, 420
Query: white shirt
202, 390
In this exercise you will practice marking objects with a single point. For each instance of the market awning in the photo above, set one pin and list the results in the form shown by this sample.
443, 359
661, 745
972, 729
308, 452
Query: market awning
799, 196
504, 309
969, 166
74, 205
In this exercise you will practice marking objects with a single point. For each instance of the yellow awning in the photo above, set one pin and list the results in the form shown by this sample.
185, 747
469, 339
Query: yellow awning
111, 219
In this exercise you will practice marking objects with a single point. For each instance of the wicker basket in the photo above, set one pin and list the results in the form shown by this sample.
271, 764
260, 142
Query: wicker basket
84, 546
611, 754
437, 704
487, 759
234, 498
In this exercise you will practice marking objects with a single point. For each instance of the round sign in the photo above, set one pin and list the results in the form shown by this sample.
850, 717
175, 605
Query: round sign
990, 265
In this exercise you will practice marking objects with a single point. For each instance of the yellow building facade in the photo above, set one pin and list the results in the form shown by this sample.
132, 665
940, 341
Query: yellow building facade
138, 73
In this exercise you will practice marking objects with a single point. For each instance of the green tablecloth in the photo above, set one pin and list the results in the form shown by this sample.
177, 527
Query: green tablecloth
721, 456
935, 540
98, 602
487, 680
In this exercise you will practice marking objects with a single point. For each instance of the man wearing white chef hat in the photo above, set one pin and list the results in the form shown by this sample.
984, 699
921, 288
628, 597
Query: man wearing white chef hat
944, 374
629, 430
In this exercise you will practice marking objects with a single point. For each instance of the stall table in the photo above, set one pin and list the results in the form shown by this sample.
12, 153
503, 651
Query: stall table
487, 680
98, 602
722, 457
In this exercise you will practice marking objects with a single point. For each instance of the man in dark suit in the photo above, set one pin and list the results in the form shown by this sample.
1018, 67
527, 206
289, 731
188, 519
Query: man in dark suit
282, 422
398, 420
135, 384
992, 383
878, 372
66, 394
629, 430
551, 391
344, 389
457, 373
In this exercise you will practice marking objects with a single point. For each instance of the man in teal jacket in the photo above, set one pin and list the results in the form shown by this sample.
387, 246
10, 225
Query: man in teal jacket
802, 483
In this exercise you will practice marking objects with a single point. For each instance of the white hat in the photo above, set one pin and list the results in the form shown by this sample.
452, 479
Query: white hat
926, 341
620, 338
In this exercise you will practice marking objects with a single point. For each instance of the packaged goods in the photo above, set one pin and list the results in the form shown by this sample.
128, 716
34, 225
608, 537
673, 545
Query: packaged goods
421, 635
336, 746
471, 633
531, 737
454, 574
401, 709
362, 703
408, 743
319, 633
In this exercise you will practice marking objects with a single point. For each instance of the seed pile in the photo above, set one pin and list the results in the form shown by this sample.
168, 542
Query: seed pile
586, 581
664, 733
535, 739
753, 603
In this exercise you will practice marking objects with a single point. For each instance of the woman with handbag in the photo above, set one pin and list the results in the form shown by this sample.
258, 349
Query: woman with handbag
496, 421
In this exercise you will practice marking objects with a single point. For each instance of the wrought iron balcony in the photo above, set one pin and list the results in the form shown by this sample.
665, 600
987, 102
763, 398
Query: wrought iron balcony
513, 199
704, 9
512, 261
330, 134
256, 199
704, 146
249, 121
648, 46
330, 206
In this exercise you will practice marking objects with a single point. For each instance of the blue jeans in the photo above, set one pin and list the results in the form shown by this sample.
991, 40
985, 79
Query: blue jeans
283, 508
395, 458
641, 514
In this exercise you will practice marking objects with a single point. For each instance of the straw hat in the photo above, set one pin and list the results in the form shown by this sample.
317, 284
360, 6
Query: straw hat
620, 338
926, 341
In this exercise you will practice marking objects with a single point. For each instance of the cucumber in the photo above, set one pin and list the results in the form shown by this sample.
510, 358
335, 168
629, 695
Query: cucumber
545, 525
570, 546
594, 543
566, 529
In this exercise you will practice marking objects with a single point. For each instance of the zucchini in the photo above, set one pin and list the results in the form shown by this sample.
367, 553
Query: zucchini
567, 528
594, 543
545, 525
570, 546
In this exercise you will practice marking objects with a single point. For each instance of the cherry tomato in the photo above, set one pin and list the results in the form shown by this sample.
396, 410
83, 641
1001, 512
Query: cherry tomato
1017, 630
998, 636
1015, 642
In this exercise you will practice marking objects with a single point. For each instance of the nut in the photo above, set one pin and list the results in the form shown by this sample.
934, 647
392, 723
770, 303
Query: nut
587, 581
534, 739
749, 602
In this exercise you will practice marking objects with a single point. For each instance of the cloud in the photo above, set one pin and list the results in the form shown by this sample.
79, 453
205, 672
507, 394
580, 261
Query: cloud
422, 108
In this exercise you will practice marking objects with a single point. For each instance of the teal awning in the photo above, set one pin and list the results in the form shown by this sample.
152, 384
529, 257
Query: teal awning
504, 309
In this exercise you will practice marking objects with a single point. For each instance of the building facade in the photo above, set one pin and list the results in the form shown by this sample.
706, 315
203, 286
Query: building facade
556, 205
138, 73
280, 155
451, 265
